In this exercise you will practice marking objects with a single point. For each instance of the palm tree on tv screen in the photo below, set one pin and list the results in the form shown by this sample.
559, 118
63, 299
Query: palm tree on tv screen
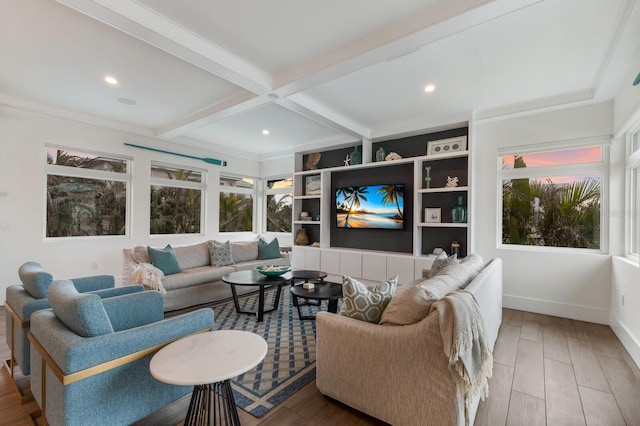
354, 195
392, 195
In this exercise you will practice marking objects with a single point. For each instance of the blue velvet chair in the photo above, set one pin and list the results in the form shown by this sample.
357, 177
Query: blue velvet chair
90, 356
23, 300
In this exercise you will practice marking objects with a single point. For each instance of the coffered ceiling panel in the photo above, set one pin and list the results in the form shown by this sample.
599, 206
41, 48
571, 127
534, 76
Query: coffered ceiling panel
57, 56
286, 129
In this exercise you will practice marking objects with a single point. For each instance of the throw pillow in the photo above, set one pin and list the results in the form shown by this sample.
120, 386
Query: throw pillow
365, 304
408, 307
443, 284
243, 251
164, 259
35, 281
441, 262
268, 250
220, 253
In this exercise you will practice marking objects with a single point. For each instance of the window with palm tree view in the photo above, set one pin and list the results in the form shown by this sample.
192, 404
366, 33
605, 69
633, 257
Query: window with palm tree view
279, 201
236, 204
553, 198
176, 200
86, 194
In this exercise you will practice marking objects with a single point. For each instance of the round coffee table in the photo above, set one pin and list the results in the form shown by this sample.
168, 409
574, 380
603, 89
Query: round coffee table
255, 278
323, 291
207, 361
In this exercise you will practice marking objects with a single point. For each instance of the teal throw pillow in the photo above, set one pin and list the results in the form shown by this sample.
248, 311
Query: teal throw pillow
221, 254
35, 281
164, 259
363, 303
268, 250
441, 262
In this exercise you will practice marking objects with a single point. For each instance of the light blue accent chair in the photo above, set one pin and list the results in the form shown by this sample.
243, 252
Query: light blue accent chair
90, 356
23, 300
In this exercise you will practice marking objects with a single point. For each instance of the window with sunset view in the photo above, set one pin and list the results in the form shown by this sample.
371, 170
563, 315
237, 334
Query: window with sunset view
553, 198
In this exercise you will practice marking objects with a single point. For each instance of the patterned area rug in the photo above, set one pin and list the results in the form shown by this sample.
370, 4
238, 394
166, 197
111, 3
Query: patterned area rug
290, 361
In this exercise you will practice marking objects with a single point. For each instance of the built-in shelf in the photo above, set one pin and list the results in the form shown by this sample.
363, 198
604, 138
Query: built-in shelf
442, 225
307, 197
306, 222
446, 189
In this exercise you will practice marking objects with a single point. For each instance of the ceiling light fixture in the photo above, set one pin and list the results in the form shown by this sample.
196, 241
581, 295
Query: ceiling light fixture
429, 88
111, 80
265, 132
126, 101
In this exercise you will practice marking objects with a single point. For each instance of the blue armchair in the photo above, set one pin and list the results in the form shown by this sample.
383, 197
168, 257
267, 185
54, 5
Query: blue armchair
90, 356
23, 300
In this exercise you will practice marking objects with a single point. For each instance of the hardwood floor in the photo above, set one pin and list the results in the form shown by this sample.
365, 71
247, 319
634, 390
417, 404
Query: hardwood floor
547, 371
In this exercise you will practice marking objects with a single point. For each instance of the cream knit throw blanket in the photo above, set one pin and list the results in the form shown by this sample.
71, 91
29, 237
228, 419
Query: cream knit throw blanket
462, 330
149, 276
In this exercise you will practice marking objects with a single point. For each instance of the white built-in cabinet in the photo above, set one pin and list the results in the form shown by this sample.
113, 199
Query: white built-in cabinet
375, 266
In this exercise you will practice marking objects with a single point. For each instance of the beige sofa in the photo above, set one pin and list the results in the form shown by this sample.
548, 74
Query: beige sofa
399, 374
198, 282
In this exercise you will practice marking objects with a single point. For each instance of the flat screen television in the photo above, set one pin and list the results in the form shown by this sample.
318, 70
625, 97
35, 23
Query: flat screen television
370, 207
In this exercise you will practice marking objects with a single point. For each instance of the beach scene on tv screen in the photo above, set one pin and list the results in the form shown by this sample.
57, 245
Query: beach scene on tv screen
372, 206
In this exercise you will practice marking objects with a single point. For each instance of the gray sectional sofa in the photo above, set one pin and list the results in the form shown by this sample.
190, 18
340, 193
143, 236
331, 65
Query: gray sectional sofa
198, 281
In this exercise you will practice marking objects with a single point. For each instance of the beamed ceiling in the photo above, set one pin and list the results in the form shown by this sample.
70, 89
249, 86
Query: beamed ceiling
213, 74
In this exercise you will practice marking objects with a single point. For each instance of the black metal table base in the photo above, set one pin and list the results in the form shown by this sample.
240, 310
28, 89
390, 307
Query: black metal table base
261, 311
212, 404
332, 306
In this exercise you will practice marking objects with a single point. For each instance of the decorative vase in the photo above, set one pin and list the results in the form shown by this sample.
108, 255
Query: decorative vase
427, 177
455, 249
380, 154
301, 237
355, 157
459, 212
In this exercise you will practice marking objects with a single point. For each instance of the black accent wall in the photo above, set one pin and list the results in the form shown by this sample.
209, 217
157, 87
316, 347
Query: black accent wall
400, 241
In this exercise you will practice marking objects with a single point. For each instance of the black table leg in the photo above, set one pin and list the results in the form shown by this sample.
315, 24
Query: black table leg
261, 304
333, 306
212, 404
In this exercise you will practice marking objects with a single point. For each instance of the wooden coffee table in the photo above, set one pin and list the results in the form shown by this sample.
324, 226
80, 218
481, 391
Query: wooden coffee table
255, 278
207, 361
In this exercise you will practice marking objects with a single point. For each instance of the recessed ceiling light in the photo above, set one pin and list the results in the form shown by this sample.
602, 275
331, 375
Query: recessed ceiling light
265, 132
429, 88
111, 80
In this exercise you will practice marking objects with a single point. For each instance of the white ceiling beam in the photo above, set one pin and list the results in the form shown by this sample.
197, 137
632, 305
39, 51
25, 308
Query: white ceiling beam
404, 37
226, 108
136, 20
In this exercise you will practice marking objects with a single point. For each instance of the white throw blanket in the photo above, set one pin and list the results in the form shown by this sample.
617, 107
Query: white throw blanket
465, 345
149, 276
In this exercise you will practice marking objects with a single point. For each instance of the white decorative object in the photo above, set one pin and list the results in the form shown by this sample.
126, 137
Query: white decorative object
393, 156
432, 215
447, 145
452, 182
308, 286
346, 160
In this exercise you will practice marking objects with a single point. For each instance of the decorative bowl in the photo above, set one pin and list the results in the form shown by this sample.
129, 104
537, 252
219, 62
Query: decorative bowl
273, 270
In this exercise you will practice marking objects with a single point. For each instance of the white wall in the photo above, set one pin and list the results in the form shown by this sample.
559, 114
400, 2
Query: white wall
573, 285
23, 187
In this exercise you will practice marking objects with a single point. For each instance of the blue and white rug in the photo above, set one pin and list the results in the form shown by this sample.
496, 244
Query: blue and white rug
291, 358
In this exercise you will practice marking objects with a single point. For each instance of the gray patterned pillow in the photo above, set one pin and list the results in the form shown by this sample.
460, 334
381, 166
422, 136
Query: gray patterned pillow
366, 304
441, 262
220, 253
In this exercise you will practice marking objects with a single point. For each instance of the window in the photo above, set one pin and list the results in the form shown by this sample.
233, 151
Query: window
176, 200
633, 170
86, 194
279, 199
236, 204
553, 198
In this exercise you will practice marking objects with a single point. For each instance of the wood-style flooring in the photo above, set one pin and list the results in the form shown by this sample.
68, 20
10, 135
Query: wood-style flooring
547, 370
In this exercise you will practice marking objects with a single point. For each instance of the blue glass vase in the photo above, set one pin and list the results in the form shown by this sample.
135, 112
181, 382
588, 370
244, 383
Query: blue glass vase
459, 212
355, 157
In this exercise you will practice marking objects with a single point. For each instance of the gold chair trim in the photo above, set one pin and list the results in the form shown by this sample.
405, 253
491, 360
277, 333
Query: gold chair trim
66, 379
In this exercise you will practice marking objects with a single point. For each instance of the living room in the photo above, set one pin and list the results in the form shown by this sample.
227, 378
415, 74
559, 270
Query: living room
591, 100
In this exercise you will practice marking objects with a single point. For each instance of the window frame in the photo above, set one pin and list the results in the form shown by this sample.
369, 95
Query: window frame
632, 195
227, 189
601, 167
85, 173
266, 192
182, 184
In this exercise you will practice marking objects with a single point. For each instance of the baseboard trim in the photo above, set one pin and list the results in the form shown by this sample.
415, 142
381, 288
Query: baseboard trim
556, 309
626, 338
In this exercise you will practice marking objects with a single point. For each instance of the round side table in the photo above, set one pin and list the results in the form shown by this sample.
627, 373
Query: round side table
207, 361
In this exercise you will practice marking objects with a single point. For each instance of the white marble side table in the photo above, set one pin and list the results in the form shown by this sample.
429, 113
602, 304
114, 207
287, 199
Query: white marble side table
207, 361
